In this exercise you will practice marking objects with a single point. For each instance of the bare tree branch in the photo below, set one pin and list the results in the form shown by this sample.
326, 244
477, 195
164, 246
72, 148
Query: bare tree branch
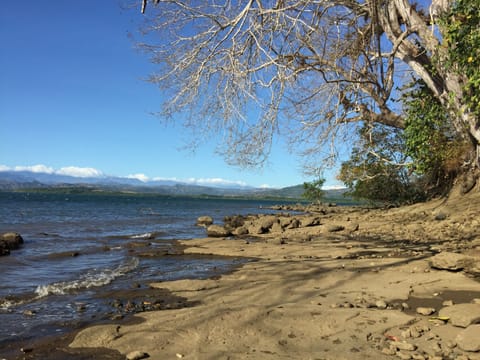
308, 69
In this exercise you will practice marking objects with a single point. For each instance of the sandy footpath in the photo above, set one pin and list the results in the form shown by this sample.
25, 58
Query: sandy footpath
354, 284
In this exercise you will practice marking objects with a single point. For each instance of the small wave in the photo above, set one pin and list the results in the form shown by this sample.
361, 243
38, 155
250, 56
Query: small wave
7, 303
150, 235
11, 301
89, 280
147, 235
149, 211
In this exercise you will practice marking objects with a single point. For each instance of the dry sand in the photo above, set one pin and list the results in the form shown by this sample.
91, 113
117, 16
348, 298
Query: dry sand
347, 288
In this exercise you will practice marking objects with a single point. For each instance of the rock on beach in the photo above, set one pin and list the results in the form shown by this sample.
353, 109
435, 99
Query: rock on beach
204, 221
10, 241
217, 231
462, 315
451, 261
469, 339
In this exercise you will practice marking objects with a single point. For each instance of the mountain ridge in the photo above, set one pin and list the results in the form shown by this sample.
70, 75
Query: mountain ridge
26, 180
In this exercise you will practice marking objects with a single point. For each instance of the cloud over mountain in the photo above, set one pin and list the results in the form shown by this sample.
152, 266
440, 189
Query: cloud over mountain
94, 175
79, 172
74, 171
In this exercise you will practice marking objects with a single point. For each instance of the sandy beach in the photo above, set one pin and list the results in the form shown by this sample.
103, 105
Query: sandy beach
344, 283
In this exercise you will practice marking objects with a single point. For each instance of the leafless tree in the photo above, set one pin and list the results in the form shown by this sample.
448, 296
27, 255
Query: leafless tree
308, 69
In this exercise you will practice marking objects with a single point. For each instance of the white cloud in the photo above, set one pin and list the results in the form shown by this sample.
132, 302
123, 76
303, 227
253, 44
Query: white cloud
141, 177
265, 186
334, 187
84, 172
166, 179
40, 168
215, 182
79, 172
69, 170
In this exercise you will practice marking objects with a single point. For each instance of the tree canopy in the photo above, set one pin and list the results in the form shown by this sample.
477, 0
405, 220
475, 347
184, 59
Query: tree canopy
312, 191
315, 71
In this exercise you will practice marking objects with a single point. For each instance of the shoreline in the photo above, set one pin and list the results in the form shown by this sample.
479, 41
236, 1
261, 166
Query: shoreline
348, 287
120, 307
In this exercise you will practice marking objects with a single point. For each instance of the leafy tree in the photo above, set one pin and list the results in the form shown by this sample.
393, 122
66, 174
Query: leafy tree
311, 68
436, 150
377, 169
313, 190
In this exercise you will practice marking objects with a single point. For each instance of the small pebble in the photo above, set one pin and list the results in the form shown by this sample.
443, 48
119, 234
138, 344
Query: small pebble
29, 312
440, 217
137, 355
447, 303
425, 311
451, 344
415, 332
381, 304
417, 356
405, 346
388, 351
436, 348
403, 355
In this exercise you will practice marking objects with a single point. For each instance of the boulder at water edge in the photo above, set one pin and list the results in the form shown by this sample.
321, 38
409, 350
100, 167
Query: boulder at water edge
10, 241
217, 231
204, 221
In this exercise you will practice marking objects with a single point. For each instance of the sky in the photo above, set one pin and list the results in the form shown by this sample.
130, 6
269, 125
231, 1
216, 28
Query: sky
73, 100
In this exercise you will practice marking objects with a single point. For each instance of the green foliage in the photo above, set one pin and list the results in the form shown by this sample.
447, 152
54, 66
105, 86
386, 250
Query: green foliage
462, 37
313, 190
426, 129
429, 144
430, 140
376, 170
392, 166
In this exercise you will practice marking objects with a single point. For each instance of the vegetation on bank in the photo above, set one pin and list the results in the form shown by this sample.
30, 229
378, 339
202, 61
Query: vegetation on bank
431, 152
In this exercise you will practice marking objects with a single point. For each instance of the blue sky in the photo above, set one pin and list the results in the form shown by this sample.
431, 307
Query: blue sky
73, 98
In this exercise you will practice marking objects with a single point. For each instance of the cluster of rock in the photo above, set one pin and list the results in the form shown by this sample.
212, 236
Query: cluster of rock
310, 208
239, 225
10, 241
421, 341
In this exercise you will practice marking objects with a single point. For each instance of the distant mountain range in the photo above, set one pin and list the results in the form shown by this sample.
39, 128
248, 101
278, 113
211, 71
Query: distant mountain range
26, 180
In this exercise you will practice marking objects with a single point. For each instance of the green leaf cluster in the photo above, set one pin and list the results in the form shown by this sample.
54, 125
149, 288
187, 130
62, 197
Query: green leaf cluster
313, 190
431, 142
430, 139
462, 38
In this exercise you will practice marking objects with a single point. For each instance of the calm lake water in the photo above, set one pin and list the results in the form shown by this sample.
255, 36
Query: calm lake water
78, 246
